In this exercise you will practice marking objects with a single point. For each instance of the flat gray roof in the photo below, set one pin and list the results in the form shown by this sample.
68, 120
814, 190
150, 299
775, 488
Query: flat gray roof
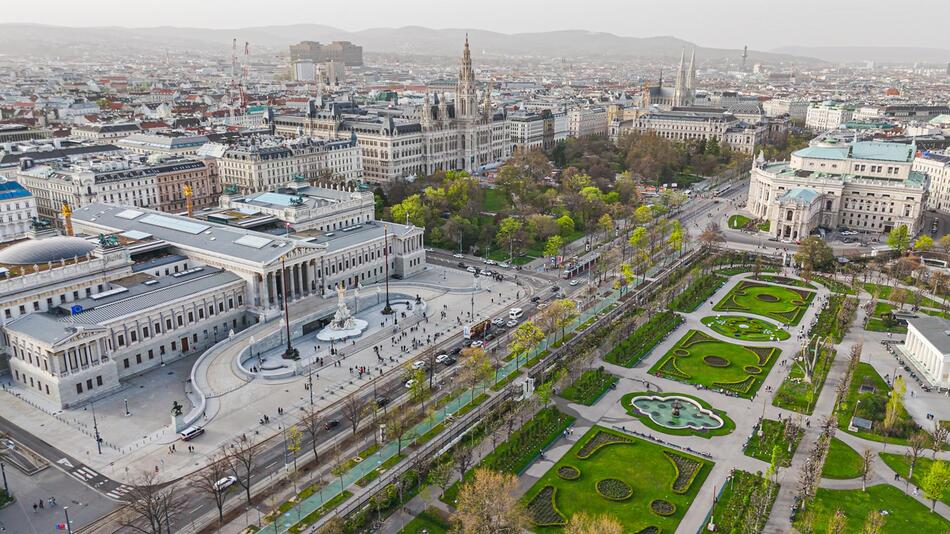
361, 233
935, 329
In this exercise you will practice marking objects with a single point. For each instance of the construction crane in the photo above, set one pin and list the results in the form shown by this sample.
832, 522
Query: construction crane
67, 213
244, 69
233, 89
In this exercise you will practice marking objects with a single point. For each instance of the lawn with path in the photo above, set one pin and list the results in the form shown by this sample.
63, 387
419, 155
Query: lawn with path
798, 395
783, 304
867, 397
843, 462
607, 472
700, 359
738, 222
784, 280
900, 465
881, 320
641, 341
745, 328
589, 387
734, 505
773, 434
427, 522
905, 515
728, 425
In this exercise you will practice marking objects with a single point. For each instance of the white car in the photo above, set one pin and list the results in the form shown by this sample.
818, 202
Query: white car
477, 343
848, 232
574, 282
419, 364
441, 358
504, 264
225, 483
491, 262
497, 321
458, 256
472, 270
411, 382
512, 323
485, 272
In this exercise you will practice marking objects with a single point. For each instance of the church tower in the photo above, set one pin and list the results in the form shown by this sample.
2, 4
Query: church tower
691, 80
466, 101
679, 90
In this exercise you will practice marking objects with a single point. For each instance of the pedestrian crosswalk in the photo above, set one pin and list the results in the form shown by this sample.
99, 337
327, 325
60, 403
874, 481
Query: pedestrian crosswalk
119, 492
84, 473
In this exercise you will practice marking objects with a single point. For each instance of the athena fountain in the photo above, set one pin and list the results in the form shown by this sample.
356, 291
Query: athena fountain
343, 325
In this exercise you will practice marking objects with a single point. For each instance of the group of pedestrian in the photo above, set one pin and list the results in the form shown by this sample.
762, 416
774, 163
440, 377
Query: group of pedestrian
41, 504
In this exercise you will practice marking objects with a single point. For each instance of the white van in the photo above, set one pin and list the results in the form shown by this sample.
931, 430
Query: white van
515, 313
191, 433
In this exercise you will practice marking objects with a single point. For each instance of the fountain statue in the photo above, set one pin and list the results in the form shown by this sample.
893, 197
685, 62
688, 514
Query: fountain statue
676, 408
343, 325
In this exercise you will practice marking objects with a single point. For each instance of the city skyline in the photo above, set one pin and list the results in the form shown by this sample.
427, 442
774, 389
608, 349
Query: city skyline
703, 23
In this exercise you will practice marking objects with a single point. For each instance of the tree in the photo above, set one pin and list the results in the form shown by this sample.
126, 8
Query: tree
440, 475
206, 480
643, 215
411, 209
936, 482
525, 337
945, 241
874, 523
397, 423
553, 246
565, 225
339, 470
606, 223
814, 254
837, 523
353, 409
311, 424
152, 501
583, 523
676, 238
895, 403
867, 462
294, 437
243, 450
899, 296
334, 525
899, 238
559, 314
508, 232
475, 366
924, 243
915, 447
488, 504
711, 235
938, 437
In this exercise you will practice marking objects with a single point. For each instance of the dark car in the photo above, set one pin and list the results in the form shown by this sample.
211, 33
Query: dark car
555, 289
449, 361
456, 350
381, 401
331, 424
536, 299
462, 265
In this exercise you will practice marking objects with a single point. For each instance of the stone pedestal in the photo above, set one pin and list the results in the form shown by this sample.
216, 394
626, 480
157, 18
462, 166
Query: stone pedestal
178, 422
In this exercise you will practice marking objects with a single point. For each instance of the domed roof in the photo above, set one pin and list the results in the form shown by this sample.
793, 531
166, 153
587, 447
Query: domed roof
37, 251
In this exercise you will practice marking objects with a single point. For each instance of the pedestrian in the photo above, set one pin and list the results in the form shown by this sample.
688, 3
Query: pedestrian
41, 504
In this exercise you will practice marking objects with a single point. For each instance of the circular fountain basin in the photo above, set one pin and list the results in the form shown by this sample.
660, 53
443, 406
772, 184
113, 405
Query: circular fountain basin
332, 334
692, 415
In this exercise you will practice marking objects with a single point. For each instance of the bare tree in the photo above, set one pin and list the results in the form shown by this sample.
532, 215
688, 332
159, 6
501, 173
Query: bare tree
397, 423
938, 437
209, 480
354, 408
243, 450
487, 504
464, 457
874, 524
915, 447
837, 523
152, 503
867, 462
311, 424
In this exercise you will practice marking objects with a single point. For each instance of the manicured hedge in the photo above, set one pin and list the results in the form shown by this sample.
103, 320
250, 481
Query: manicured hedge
630, 351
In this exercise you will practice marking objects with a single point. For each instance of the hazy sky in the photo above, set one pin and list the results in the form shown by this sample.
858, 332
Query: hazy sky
762, 24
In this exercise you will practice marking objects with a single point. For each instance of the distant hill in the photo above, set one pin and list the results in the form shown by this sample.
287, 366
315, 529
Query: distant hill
879, 54
61, 41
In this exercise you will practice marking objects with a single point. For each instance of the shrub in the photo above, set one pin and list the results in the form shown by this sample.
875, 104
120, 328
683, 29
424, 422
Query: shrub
614, 489
686, 471
568, 472
642, 340
715, 361
598, 440
697, 292
542, 509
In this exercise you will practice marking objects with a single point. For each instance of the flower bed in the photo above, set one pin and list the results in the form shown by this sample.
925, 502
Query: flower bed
686, 471
752, 370
715, 361
568, 472
542, 510
515, 454
662, 507
742, 386
614, 489
601, 439
650, 530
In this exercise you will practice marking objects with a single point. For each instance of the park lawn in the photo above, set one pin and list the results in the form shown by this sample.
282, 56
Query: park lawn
728, 425
773, 434
739, 221
641, 341
642, 465
745, 328
783, 304
734, 503
591, 385
741, 369
871, 405
740, 269
495, 201
900, 465
905, 514
876, 321
765, 226
426, 522
843, 462
799, 396
784, 280
884, 292
697, 292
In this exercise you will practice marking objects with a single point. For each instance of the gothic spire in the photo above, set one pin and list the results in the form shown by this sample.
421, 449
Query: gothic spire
691, 73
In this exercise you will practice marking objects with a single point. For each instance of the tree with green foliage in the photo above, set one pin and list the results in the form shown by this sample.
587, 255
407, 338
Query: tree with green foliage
553, 246
924, 243
899, 238
459, 230
675, 240
566, 225
508, 232
410, 209
936, 482
874, 524
837, 523
814, 254
895, 403
643, 215
525, 338
606, 223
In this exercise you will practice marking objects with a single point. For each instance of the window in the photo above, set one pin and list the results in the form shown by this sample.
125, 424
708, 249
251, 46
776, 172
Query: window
151, 354
99, 380
145, 332
133, 336
180, 320
125, 363
121, 339
191, 317
89, 384
79, 388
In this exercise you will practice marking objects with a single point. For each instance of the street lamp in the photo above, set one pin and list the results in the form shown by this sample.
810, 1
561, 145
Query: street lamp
290, 353
69, 528
127, 413
95, 427
6, 488
388, 310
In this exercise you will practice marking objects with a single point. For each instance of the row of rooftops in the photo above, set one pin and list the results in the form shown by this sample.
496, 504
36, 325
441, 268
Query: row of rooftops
110, 169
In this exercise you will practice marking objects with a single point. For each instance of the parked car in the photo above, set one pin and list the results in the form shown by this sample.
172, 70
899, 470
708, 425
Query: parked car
458, 256
331, 424
449, 361
536, 298
461, 265
504, 264
382, 401
484, 272
477, 343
